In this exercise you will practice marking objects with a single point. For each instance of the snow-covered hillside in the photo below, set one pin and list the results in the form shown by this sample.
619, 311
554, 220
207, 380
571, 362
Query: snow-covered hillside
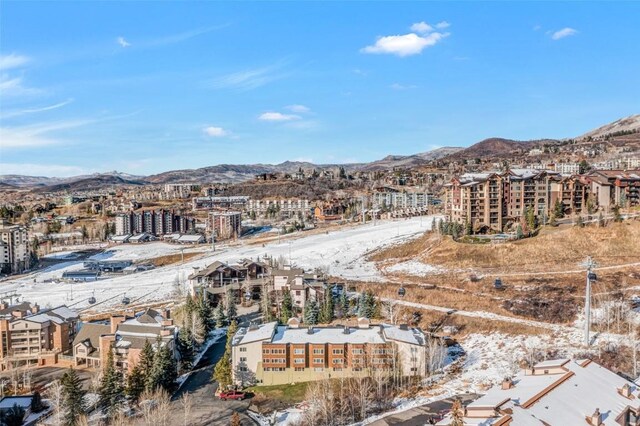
342, 252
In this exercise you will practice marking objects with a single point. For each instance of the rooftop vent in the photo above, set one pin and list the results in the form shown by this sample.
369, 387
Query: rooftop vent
595, 419
310, 330
625, 391
253, 327
507, 383
404, 327
346, 329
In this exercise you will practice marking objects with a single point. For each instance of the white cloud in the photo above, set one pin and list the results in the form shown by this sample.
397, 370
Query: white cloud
12, 61
398, 86
36, 135
565, 32
122, 42
278, 116
421, 27
35, 110
442, 25
215, 132
300, 109
404, 45
56, 170
248, 79
13, 86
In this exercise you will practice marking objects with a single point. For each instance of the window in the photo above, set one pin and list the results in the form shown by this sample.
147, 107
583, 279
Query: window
243, 359
357, 351
337, 351
318, 369
299, 368
298, 351
298, 361
318, 351
318, 360
337, 368
297, 292
338, 361
243, 349
357, 369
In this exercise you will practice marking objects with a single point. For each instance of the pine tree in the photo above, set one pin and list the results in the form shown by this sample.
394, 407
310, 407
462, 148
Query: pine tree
286, 309
111, 391
205, 312
164, 372
222, 372
235, 419
327, 314
265, 304
519, 233
558, 209
232, 312
185, 344
72, 397
145, 363
135, 384
457, 414
344, 303
311, 313
219, 315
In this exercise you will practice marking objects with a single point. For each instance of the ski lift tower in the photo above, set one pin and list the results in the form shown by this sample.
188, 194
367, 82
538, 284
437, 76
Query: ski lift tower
591, 276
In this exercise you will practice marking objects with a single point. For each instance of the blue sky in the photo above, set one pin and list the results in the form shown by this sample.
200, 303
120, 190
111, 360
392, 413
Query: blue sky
144, 87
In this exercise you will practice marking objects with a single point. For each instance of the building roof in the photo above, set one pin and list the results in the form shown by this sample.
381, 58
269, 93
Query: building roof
190, 238
565, 397
90, 333
403, 334
246, 335
335, 335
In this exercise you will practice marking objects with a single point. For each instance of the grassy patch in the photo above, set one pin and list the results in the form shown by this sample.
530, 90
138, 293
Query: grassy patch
290, 393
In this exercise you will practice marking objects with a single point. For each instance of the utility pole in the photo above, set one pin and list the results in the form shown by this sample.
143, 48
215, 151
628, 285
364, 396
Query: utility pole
590, 265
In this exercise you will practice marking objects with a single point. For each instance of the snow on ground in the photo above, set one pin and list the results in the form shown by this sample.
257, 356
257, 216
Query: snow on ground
413, 267
343, 252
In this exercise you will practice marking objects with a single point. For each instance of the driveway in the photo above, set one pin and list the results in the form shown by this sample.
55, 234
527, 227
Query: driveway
423, 414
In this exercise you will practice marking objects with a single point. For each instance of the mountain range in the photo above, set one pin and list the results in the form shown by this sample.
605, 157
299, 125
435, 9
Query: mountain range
233, 173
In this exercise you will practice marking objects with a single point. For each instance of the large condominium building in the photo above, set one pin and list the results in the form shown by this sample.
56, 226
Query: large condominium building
556, 392
32, 336
225, 224
158, 222
238, 202
281, 207
494, 200
616, 187
272, 354
125, 337
400, 200
15, 250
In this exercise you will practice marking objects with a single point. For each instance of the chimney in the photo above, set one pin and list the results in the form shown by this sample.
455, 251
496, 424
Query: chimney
346, 329
507, 384
18, 314
35, 308
293, 323
115, 321
167, 314
4, 305
625, 391
596, 418
310, 330
165, 332
363, 323
167, 322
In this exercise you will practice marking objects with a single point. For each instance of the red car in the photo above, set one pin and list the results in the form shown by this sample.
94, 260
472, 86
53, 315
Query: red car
237, 395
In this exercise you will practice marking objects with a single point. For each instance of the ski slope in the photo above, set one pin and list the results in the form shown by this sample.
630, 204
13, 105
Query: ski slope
341, 252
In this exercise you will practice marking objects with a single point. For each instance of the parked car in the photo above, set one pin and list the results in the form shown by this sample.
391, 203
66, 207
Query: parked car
232, 394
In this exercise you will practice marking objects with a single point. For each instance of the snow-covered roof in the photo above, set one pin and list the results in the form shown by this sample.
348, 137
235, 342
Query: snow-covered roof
248, 335
121, 237
403, 334
190, 238
567, 397
320, 335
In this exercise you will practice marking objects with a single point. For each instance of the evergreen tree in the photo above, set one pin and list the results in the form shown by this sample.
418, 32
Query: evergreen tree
186, 347
205, 312
135, 384
552, 220
531, 219
219, 315
326, 314
468, 228
146, 362
558, 209
164, 372
433, 224
579, 222
344, 303
457, 414
311, 313
519, 233
111, 391
617, 217
265, 304
222, 372
235, 419
232, 312
286, 309
14, 416
73, 404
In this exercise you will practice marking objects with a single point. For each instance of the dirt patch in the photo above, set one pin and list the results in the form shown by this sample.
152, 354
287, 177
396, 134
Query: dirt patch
170, 259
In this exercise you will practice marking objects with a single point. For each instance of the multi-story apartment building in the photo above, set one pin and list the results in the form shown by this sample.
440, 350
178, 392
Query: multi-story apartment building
159, 222
32, 336
225, 224
493, 200
400, 200
125, 337
238, 202
281, 207
615, 187
572, 191
272, 354
15, 250
567, 168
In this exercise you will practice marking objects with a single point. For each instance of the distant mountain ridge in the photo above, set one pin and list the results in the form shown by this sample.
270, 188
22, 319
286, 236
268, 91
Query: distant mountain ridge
234, 173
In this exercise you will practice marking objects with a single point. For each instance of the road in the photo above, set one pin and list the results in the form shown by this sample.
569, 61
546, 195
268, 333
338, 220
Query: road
423, 414
206, 408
